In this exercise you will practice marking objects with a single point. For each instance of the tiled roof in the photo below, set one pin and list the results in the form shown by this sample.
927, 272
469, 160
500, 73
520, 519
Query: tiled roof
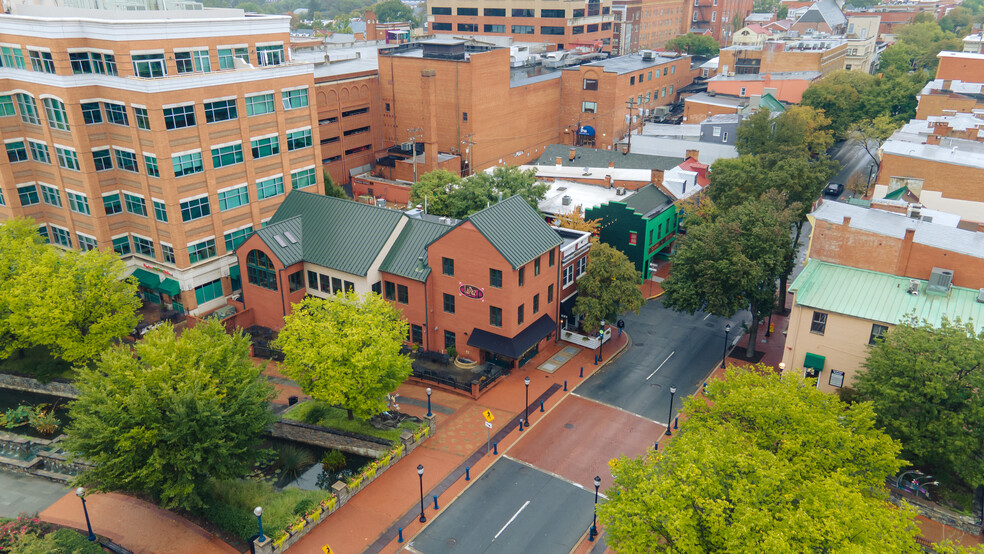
516, 230
596, 157
284, 240
648, 200
881, 296
410, 246
342, 235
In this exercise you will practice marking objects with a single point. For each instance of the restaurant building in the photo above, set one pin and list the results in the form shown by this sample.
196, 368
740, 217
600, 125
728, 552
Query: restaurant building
488, 285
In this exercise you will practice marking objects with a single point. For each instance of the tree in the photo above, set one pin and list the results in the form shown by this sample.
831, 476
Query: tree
926, 384
870, 133
345, 350
694, 44
609, 288
433, 189
393, 11
510, 180
164, 422
917, 45
782, 12
771, 465
575, 220
331, 189
800, 130
765, 6
733, 262
451, 196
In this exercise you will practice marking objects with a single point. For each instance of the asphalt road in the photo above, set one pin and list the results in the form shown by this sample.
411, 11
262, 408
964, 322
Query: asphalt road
854, 162
668, 349
511, 508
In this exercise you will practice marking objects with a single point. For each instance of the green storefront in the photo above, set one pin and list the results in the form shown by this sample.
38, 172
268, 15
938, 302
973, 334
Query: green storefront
641, 226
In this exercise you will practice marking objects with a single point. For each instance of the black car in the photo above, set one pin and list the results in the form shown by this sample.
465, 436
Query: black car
833, 189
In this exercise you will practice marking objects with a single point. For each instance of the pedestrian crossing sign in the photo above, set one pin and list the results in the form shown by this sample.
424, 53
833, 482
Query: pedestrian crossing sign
488, 416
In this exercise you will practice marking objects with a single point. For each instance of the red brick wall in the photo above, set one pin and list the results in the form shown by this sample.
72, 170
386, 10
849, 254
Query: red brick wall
269, 306
392, 192
965, 69
954, 181
339, 95
415, 310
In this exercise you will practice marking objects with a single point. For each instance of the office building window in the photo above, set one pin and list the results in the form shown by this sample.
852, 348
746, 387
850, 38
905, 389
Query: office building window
28, 109
268, 188
201, 250
536, 303
220, 110
127, 161
160, 211
39, 152
116, 114
552, 30
402, 294
260, 270
295, 281
151, 163
167, 253
495, 316
86, 242
121, 245
16, 151
135, 204
264, 147
179, 117
448, 303
41, 61
298, 139
270, 55
12, 57
520, 314
259, 104
819, 323
589, 84
549, 293
523, 29
78, 202
227, 155
51, 196
61, 236
112, 204
441, 11
494, 12
103, 159
495, 278
589, 107
187, 164
91, 113
54, 111
208, 292
234, 238
143, 119
523, 13
303, 178
233, 198
142, 246
227, 55
293, 99
195, 208
7, 106
447, 266
149, 65
67, 159
494, 28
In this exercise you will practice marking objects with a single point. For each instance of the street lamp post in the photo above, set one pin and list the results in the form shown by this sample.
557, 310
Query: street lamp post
80, 492
727, 331
669, 421
420, 473
594, 519
527, 382
258, 512
601, 342
429, 392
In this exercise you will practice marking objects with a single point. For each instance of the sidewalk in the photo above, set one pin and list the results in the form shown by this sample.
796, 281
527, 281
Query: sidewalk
136, 525
370, 520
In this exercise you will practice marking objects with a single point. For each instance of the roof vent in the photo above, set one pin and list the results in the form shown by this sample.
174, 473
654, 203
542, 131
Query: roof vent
280, 241
566, 200
420, 263
587, 171
620, 191
980, 296
913, 287
939, 281
290, 236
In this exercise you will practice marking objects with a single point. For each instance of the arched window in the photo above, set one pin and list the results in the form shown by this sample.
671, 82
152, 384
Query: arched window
260, 271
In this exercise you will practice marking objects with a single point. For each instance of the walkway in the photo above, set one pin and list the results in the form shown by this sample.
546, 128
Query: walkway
27, 494
136, 525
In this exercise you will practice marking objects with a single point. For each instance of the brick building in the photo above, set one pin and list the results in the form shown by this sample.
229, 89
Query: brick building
648, 24
489, 285
942, 96
641, 226
564, 24
167, 136
965, 66
785, 87
777, 56
719, 18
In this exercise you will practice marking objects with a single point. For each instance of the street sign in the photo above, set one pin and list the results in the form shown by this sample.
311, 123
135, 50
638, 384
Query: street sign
488, 424
327, 549
488, 416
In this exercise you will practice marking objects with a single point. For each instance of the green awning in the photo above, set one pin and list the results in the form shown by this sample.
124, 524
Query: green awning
814, 361
170, 287
234, 272
146, 278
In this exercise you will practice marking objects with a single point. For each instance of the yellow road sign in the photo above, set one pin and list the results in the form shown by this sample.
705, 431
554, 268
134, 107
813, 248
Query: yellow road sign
488, 416
327, 549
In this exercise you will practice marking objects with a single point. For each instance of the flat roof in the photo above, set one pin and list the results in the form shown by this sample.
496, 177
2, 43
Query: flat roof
584, 195
778, 76
965, 55
718, 100
669, 146
629, 63
951, 151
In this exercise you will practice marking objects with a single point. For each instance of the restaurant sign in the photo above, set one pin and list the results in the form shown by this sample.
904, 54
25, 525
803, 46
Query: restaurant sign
471, 291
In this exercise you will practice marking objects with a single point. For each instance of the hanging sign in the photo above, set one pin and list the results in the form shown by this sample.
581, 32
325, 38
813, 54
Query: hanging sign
471, 291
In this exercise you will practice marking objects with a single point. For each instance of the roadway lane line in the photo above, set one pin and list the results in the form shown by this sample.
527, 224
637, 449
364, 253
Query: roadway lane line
523, 507
661, 365
705, 317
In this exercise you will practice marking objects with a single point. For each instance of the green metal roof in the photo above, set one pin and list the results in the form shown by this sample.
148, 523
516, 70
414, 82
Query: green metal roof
881, 297
410, 246
770, 103
648, 201
897, 193
347, 236
288, 251
516, 230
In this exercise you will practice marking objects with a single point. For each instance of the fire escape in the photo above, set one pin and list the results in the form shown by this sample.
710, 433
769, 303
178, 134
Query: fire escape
702, 15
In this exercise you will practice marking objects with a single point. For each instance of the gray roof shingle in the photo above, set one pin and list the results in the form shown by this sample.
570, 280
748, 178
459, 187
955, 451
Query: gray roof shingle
648, 200
516, 230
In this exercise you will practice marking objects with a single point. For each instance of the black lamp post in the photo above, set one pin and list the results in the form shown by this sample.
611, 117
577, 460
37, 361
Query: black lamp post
601, 342
420, 473
594, 519
429, 392
669, 420
80, 492
727, 331
527, 382
258, 512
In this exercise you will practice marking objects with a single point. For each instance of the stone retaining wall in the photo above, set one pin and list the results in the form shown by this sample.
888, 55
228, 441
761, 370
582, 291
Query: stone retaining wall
326, 438
53, 388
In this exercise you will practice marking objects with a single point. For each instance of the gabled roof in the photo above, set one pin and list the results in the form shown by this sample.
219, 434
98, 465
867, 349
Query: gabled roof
516, 230
758, 29
410, 246
770, 103
825, 11
648, 201
284, 240
342, 235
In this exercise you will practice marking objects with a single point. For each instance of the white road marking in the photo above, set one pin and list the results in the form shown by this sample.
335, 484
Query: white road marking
661, 365
511, 519
706, 316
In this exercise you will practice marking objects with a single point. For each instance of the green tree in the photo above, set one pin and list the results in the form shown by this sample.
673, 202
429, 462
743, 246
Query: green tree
765, 6
916, 47
782, 12
451, 196
869, 134
694, 44
510, 180
393, 11
433, 189
340, 25
927, 386
164, 422
770, 465
800, 130
838, 96
346, 350
331, 189
609, 288
731, 263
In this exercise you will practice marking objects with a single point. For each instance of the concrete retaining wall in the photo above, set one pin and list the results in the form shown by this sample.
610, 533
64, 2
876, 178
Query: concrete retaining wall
53, 388
326, 438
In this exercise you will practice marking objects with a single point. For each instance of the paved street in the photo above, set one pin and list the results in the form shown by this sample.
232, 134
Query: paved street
511, 508
668, 348
854, 161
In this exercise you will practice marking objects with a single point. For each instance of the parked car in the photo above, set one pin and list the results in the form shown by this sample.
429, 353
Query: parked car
833, 189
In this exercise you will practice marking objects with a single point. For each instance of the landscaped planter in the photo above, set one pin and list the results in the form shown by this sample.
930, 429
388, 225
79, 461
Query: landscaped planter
586, 341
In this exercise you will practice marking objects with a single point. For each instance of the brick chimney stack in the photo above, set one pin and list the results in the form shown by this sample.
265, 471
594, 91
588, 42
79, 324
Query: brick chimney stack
560, 161
571, 154
429, 89
695, 154
656, 176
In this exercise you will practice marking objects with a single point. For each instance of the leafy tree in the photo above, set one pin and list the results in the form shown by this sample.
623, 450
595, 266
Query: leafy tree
694, 44
765, 6
346, 350
331, 189
575, 220
731, 263
165, 422
871, 133
449, 195
771, 465
801, 130
927, 386
609, 288
434, 189
839, 97
393, 11
782, 12
957, 20
917, 45
340, 25
510, 180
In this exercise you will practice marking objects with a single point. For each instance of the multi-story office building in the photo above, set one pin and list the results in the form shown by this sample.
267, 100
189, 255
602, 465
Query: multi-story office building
167, 135
648, 24
549, 21
720, 18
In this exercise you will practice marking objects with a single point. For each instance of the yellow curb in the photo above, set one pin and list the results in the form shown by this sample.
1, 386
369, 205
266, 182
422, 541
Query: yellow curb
655, 297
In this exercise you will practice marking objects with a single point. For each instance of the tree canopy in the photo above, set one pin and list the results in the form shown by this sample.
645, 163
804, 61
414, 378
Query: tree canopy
927, 386
164, 422
73, 303
916, 46
799, 131
345, 350
609, 287
575, 220
769, 465
393, 11
449, 195
694, 44
850, 98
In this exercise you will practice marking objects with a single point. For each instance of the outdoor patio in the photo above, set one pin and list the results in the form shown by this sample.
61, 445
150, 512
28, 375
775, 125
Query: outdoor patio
430, 367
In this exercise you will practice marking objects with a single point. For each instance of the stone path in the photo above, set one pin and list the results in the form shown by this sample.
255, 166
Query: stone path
27, 494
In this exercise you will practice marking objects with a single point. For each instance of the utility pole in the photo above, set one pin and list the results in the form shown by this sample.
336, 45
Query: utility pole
630, 105
468, 142
414, 135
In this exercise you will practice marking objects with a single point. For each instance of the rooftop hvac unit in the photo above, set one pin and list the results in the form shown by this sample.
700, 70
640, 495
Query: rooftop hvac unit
406, 146
980, 296
647, 55
565, 200
939, 281
913, 287
620, 191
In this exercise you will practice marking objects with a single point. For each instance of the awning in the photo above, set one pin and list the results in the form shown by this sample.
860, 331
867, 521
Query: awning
814, 361
170, 287
234, 272
146, 278
567, 307
516, 346
586, 131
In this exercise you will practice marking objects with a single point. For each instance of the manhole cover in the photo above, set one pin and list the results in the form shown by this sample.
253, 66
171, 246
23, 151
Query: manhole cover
568, 426
640, 344
655, 385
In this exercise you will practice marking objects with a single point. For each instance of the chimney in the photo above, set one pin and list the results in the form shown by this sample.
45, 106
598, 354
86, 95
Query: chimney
980, 227
656, 176
608, 181
611, 165
625, 149
902, 263
847, 222
420, 263
571, 154
946, 84
560, 161
429, 112
695, 154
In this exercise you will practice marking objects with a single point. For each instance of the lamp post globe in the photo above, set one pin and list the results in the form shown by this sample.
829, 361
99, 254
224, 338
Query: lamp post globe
669, 420
727, 331
258, 512
420, 473
80, 492
429, 392
594, 519
526, 381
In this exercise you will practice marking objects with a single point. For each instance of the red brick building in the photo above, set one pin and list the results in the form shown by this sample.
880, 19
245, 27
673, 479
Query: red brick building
489, 285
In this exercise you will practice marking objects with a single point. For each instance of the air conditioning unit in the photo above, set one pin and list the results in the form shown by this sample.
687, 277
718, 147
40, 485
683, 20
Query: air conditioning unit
647, 55
620, 191
939, 281
406, 146
566, 200
913, 287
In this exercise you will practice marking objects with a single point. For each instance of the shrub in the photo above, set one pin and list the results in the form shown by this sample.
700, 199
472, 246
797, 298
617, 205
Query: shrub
293, 461
44, 421
13, 530
232, 503
333, 461
304, 506
62, 541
